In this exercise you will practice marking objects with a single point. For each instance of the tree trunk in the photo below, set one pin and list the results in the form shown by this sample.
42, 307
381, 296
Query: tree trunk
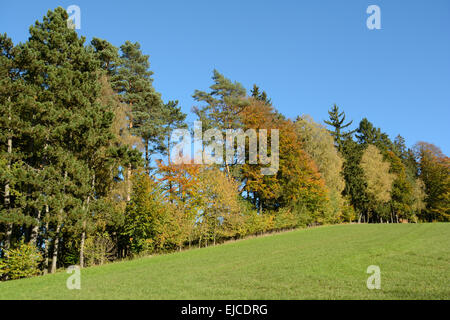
392, 215
9, 229
35, 230
55, 248
129, 169
129, 183
46, 242
147, 158
9, 226
58, 229
83, 233
168, 163
83, 238
228, 170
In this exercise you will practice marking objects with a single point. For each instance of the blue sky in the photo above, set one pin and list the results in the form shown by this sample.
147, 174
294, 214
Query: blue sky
307, 54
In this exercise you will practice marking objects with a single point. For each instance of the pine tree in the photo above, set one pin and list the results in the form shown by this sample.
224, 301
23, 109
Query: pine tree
134, 84
71, 129
223, 103
221, 109
8, 121
174, 119
107, 55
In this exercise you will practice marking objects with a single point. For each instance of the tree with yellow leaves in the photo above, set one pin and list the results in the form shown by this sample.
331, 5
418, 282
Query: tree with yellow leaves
378, 178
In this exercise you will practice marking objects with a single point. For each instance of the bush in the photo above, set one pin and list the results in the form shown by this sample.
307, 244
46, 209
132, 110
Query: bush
2, 268
285, 219
21, 262
348, 212
98, 249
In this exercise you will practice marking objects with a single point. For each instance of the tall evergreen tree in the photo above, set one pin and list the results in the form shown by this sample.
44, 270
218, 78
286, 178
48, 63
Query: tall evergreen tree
261, 96
222, 107
367, 134
133, 81
337, 120
70, 128
174, 119
14, 96
355, 184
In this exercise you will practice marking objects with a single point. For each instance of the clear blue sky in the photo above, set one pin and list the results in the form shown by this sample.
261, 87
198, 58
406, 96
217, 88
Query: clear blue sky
306, 54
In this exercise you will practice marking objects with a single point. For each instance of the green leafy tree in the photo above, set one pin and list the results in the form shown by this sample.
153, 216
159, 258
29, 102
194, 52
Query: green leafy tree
143, 215
402, 190
434, 168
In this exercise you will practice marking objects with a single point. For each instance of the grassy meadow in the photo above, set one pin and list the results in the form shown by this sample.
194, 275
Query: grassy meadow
320, 263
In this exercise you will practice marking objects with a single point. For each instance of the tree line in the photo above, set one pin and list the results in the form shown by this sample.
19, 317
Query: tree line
86, 176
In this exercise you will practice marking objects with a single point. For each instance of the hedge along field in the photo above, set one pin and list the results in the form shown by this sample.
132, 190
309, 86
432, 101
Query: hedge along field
321, 263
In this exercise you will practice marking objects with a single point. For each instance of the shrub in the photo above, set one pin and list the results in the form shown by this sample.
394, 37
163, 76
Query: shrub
98, 249
2, 268
21, 262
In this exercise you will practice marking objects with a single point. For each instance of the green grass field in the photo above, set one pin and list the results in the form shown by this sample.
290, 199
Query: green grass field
321, 263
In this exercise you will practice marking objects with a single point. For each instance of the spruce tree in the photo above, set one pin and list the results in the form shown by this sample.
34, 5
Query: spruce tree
367, 134
337, 120
261, 96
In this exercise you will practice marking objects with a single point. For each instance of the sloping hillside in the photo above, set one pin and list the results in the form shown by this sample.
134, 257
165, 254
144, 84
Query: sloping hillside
320, 263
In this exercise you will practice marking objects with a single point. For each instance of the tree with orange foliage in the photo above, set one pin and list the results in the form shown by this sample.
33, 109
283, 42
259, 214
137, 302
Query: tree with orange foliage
297, 183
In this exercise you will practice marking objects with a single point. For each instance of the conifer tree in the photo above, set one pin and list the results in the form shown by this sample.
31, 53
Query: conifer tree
71, 127
262, 96
221, 108
8, 135
337, 120
355, 184
134, 84
222, 104
368, 134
